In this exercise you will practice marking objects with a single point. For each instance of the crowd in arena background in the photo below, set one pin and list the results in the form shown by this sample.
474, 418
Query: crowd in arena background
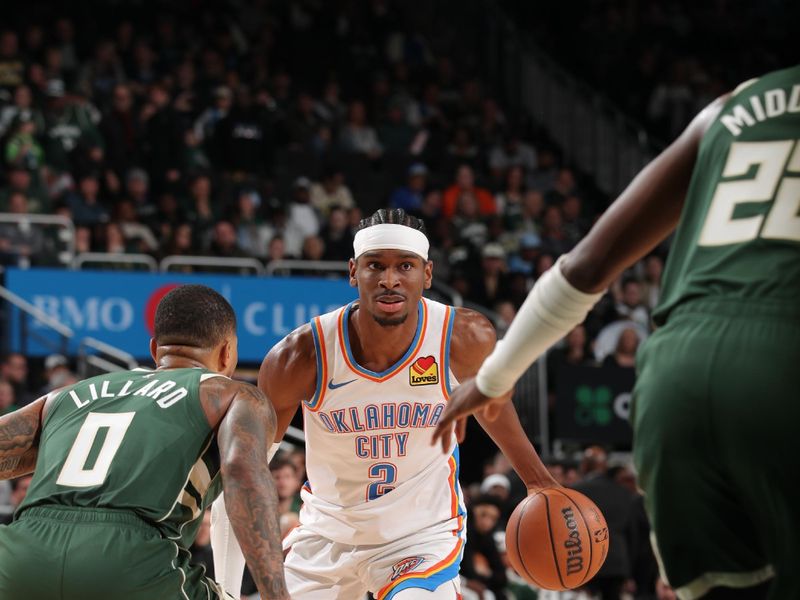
268, 129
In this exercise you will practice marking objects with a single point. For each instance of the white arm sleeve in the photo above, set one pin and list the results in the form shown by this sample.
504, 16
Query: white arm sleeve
229, 561
553, 307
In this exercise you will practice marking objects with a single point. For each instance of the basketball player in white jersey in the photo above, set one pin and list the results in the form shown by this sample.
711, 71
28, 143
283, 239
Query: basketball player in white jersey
383, 511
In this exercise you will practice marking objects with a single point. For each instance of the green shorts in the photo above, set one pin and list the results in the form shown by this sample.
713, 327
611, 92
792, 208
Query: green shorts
716, 410
60, 553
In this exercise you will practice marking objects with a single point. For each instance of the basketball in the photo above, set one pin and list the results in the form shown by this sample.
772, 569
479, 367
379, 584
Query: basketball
557, 539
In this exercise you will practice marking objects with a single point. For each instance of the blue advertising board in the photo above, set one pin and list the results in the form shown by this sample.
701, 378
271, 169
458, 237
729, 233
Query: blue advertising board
118, 308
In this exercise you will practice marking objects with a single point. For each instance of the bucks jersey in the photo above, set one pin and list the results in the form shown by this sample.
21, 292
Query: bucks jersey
136, 440
739, 234
373, 476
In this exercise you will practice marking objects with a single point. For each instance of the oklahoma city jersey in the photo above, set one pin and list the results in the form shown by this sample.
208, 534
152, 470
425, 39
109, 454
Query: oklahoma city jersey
373, 476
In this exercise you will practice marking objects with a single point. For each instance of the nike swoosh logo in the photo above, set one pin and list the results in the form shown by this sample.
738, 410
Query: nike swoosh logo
333, 386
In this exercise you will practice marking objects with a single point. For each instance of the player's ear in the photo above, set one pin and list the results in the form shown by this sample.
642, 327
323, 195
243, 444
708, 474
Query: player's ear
154, 350
352, 264
428, 274
225, 356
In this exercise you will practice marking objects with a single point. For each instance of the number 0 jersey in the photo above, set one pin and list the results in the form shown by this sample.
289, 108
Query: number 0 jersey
135, 440
373, 476
739, 234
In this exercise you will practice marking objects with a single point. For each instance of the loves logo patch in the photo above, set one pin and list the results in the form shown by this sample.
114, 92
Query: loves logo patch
424, 371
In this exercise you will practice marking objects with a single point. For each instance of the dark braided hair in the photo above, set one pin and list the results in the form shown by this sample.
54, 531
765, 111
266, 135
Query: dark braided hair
392, 216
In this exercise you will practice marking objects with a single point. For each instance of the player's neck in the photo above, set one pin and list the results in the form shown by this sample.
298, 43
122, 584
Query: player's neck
378, 347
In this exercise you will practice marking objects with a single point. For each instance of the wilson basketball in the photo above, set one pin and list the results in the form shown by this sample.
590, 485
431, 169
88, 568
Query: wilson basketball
557, 539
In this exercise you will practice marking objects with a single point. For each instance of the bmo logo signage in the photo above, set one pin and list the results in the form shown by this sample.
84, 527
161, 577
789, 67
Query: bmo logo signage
92, 314
119, 309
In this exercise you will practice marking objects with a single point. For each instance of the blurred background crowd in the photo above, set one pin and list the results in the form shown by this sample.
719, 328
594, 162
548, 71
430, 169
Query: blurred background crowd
268, 128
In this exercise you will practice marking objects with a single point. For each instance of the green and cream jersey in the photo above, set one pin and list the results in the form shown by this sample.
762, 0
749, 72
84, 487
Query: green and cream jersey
134, 440
739, 234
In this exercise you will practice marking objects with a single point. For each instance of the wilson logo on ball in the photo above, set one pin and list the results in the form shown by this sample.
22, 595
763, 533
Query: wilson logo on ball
573, 544
424, 371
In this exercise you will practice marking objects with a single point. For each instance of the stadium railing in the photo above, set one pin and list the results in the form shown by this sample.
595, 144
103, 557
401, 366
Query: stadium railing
61, 244
105, 259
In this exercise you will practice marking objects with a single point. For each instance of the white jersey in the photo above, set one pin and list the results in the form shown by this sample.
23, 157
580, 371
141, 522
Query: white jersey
373, 476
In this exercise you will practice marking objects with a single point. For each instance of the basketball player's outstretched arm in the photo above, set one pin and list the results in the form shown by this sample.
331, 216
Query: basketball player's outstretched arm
288, 375
245, 434
473, 339
644, 214
19, 440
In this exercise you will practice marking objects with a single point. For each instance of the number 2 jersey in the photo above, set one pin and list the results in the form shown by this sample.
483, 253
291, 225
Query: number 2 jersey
134, 440
739, 234
373, 476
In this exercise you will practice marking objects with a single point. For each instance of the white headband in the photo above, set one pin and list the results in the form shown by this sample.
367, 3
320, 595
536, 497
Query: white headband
388, 236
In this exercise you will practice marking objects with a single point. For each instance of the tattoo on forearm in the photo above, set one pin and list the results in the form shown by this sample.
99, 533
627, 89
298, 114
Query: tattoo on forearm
18, 442
250, 497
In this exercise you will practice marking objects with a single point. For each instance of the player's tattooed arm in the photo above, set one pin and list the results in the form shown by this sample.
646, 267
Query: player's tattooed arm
245, 435
19, 440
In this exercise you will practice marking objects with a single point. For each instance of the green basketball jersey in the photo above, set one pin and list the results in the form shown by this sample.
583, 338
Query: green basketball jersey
135, 440
739, 233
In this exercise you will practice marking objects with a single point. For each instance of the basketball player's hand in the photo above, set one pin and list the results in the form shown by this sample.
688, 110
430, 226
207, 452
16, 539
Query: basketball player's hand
464, 401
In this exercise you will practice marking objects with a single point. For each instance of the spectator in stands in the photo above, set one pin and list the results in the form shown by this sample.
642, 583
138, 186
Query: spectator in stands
161, 136
554, 239
137, 190
251, 230
14, 370
509, 200
85, 204
121, 129
336, 236
224, 242
243, 141
617, 504
631, 305
302, 220
331, 191
12, 66
206, 123
471, 230
276, 250
22, 148
394, 132
492, 126
287, 484
22, 108
330, 108
180, 242
465, 183
482, 567
498, 486
100, 74
357, 136
201, 208
529, 249
651, 286
410, 196
513, 152
313, 248
625, 353
575, 351
7, 400
303, 123
574, 225
564, 186
20, 242
69, 126
491, 285
461, 150
57, 373
137, 237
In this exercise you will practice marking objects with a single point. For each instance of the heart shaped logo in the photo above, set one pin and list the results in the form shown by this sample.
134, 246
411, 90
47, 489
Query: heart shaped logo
423, 363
